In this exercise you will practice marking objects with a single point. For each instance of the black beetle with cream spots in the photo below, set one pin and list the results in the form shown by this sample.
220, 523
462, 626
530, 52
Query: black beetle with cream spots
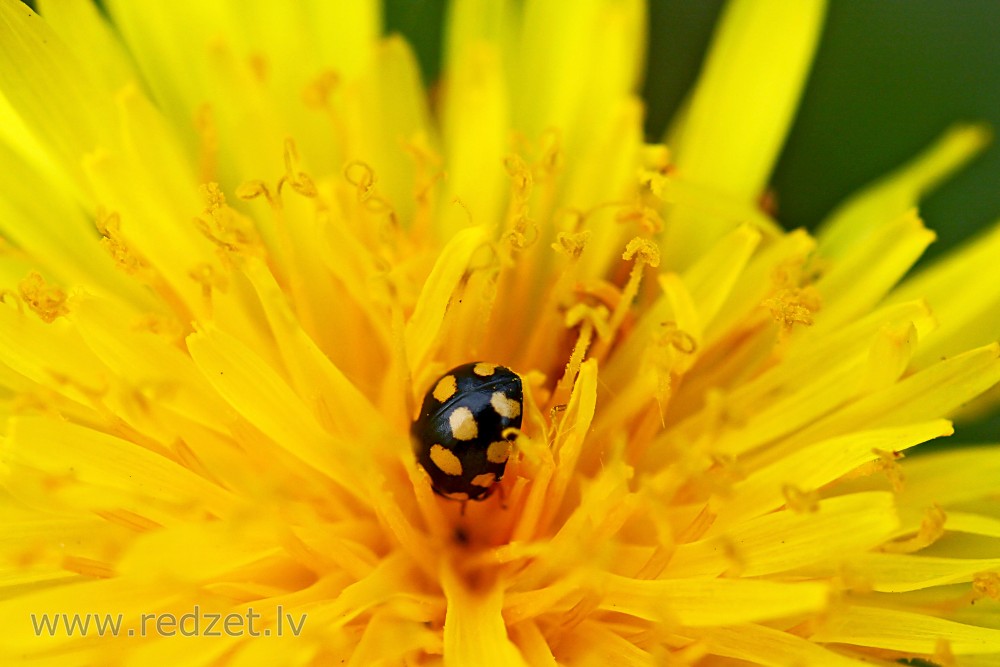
461, 437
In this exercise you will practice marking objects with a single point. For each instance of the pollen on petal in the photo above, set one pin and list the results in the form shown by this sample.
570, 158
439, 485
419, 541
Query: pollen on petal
47, 301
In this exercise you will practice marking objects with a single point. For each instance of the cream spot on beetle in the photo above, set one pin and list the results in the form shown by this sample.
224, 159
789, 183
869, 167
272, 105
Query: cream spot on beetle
461, 495
463, 424
483, 369
485, 480
505, 407
498, 452
446, 462
445, 388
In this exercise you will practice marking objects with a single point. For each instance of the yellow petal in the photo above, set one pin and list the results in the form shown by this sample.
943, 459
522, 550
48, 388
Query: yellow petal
173, 251
390, 112
262, 397
572, 77
570, 438
392, 578
533, 644
866, 272
851, 223
474, 128
32, 348
897, 573
474, 630
838, 528
334, 400
163, 40
223, 548
905, 631
813, 466
756, 281
452, 263
975, 524
934, 391
51, 92
408, 637
470, 22
951, 477
742, 106
345, 33
759, 644
147, 364
92, 458
967, 307
712, 279
696, 602
820, 382
592, 643
605, 172
748, 89
86, 32
692, 301
54, 233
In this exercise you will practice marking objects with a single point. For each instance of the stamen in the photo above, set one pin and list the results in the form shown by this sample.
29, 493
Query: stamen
931, 530
943, 655
362, 176
518, 217
646, 218
109, 226
520, 178
987, 585
551, 159
88, 567
428, 174
517, 212
571, 244
645, 252
130, 520
47, 301
655, 158
888, 462
252, 189
794, 306
800, 501
209, 279
795, 299
316, 94
654, 183
590, 319
224, 226
169, 328
258, 65
299, 181
677, 339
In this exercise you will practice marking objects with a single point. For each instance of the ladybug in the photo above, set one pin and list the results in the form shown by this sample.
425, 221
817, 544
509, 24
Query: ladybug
462, 437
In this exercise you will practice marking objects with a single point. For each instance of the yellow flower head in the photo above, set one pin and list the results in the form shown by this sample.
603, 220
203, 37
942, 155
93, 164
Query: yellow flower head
241, 243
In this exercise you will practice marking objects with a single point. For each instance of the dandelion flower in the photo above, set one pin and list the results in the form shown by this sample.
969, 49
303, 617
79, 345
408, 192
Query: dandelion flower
241, 241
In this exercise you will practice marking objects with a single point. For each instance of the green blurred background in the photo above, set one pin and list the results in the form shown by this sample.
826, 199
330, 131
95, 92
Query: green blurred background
889, 77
